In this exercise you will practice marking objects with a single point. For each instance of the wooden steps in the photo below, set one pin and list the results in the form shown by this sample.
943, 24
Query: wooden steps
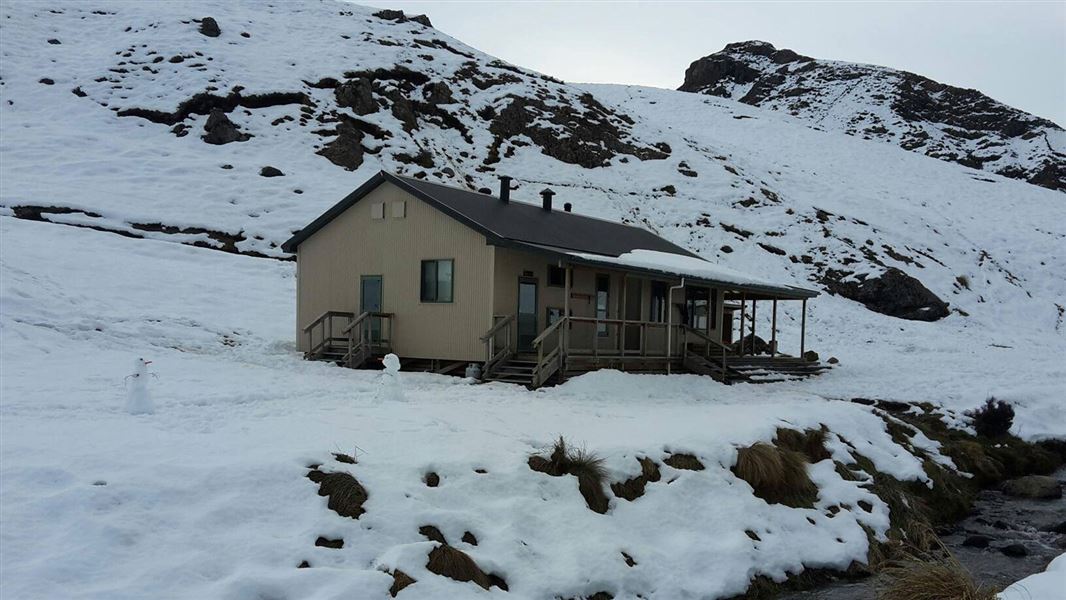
517, 370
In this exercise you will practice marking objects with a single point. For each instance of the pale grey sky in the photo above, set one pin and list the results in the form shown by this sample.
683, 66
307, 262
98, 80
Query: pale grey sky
1013, 51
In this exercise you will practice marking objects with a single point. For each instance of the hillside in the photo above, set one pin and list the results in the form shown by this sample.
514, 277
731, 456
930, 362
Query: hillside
135, 119
879, 103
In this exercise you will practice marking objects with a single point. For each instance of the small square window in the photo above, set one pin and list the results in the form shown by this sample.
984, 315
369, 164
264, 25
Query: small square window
377, 210
399, 209
556, 276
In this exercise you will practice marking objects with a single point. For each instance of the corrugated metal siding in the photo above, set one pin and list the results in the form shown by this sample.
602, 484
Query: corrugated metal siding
331, 262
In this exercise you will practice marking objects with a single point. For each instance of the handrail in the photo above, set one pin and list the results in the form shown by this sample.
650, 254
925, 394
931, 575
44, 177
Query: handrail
364, 316
326, 315
707, 349
540, 338
703, 336
504, 320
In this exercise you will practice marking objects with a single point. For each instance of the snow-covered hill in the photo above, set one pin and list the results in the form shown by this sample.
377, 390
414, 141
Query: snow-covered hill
104, 110
880, 103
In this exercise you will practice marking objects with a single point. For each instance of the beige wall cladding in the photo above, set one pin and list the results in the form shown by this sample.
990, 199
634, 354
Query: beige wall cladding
392, 244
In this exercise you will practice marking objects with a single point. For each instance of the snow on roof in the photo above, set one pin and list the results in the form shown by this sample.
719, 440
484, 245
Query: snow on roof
692, 267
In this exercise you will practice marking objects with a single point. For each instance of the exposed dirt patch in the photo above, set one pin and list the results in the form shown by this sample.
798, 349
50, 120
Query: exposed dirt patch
633, 488
453, 563
400, 580
776, 475
686, 462
326, 542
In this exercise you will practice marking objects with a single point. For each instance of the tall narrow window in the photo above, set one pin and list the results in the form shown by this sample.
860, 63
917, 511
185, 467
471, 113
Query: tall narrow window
696, 301
603, 287
437, 280
657, 310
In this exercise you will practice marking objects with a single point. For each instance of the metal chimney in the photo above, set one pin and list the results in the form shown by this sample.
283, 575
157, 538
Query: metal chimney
505, 189
567, 207
546, 197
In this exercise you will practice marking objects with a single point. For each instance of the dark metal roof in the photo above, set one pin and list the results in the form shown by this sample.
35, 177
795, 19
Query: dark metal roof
528, 227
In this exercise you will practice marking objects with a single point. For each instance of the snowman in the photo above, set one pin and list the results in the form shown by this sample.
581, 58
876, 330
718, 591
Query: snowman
390, 379
138, 401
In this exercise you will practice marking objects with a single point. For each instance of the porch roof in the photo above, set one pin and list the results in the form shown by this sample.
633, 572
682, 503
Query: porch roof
692, 268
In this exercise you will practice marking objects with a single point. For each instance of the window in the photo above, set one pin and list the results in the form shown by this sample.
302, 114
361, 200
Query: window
556, 276
714, 308
399, 209
377, 210
554, 314
657, 312
437, 280
603, 286
696, 309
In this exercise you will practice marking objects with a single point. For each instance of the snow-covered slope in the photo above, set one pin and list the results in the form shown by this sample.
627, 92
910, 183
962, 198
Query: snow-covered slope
901, 108
208, 496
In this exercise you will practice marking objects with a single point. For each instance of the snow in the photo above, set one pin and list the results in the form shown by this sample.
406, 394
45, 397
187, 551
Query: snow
678, 265
207, 496
138, 400
1048, 585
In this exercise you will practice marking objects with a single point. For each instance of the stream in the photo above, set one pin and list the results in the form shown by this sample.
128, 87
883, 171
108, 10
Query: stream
1004, 520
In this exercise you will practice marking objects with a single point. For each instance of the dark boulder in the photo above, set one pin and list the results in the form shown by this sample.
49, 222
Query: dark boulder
977, 541
1014, 550
399, 17
404, 111
357, 95
347, 149
1033, 486
220, 130
438, 92
209, 27
269, 171
893, 293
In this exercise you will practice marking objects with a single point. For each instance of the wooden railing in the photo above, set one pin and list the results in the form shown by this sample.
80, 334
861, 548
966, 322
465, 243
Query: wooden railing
364, 339
617, 335
495, 357
709, 343
550, 363
324, 324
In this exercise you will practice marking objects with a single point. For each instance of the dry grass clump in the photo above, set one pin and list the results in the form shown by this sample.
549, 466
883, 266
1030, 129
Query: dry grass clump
454, 563
931, 578
633, 488
778, 476
810, 442
400, 580
346, 494
581, 463
687, 462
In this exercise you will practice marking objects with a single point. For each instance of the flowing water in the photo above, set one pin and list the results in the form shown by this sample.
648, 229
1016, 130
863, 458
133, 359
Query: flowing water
1005, 520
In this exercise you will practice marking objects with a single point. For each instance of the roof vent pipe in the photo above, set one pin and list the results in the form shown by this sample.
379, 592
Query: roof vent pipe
505, 189
567, 207
546, 197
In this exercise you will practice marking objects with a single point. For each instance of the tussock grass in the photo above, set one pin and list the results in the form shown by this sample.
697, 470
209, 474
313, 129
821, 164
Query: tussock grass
400, 580
810, 442
633, 488
451, 562
581, 463
346, 494
777, 475
929, 577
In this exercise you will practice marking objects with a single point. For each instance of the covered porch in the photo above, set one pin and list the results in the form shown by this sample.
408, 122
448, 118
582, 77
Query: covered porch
642, 316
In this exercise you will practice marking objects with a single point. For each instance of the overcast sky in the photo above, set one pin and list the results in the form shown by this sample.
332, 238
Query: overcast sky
1013, 51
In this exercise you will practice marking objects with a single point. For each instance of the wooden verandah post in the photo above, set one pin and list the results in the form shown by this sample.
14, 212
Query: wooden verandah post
803, 329
773, 331
743, 314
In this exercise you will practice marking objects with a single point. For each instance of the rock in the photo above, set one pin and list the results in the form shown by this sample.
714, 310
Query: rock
727, 249
893, 293
54, 41
833, 360
209, 27
810, 356
46, 81
220, 130
977, 541
269, 171
438, 92
1059, 528
431, 479
750, 346
1033, 486
1014, 550
404, 111
421, 20
400, 17
347, 149
356, 94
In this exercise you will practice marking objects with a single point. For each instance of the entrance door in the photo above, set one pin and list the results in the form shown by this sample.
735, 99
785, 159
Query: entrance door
370, 301
527, 314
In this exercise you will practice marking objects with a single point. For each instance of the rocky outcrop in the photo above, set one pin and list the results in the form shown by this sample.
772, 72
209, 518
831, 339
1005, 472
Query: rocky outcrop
209, 27
908, 110
220, 130
892, 293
